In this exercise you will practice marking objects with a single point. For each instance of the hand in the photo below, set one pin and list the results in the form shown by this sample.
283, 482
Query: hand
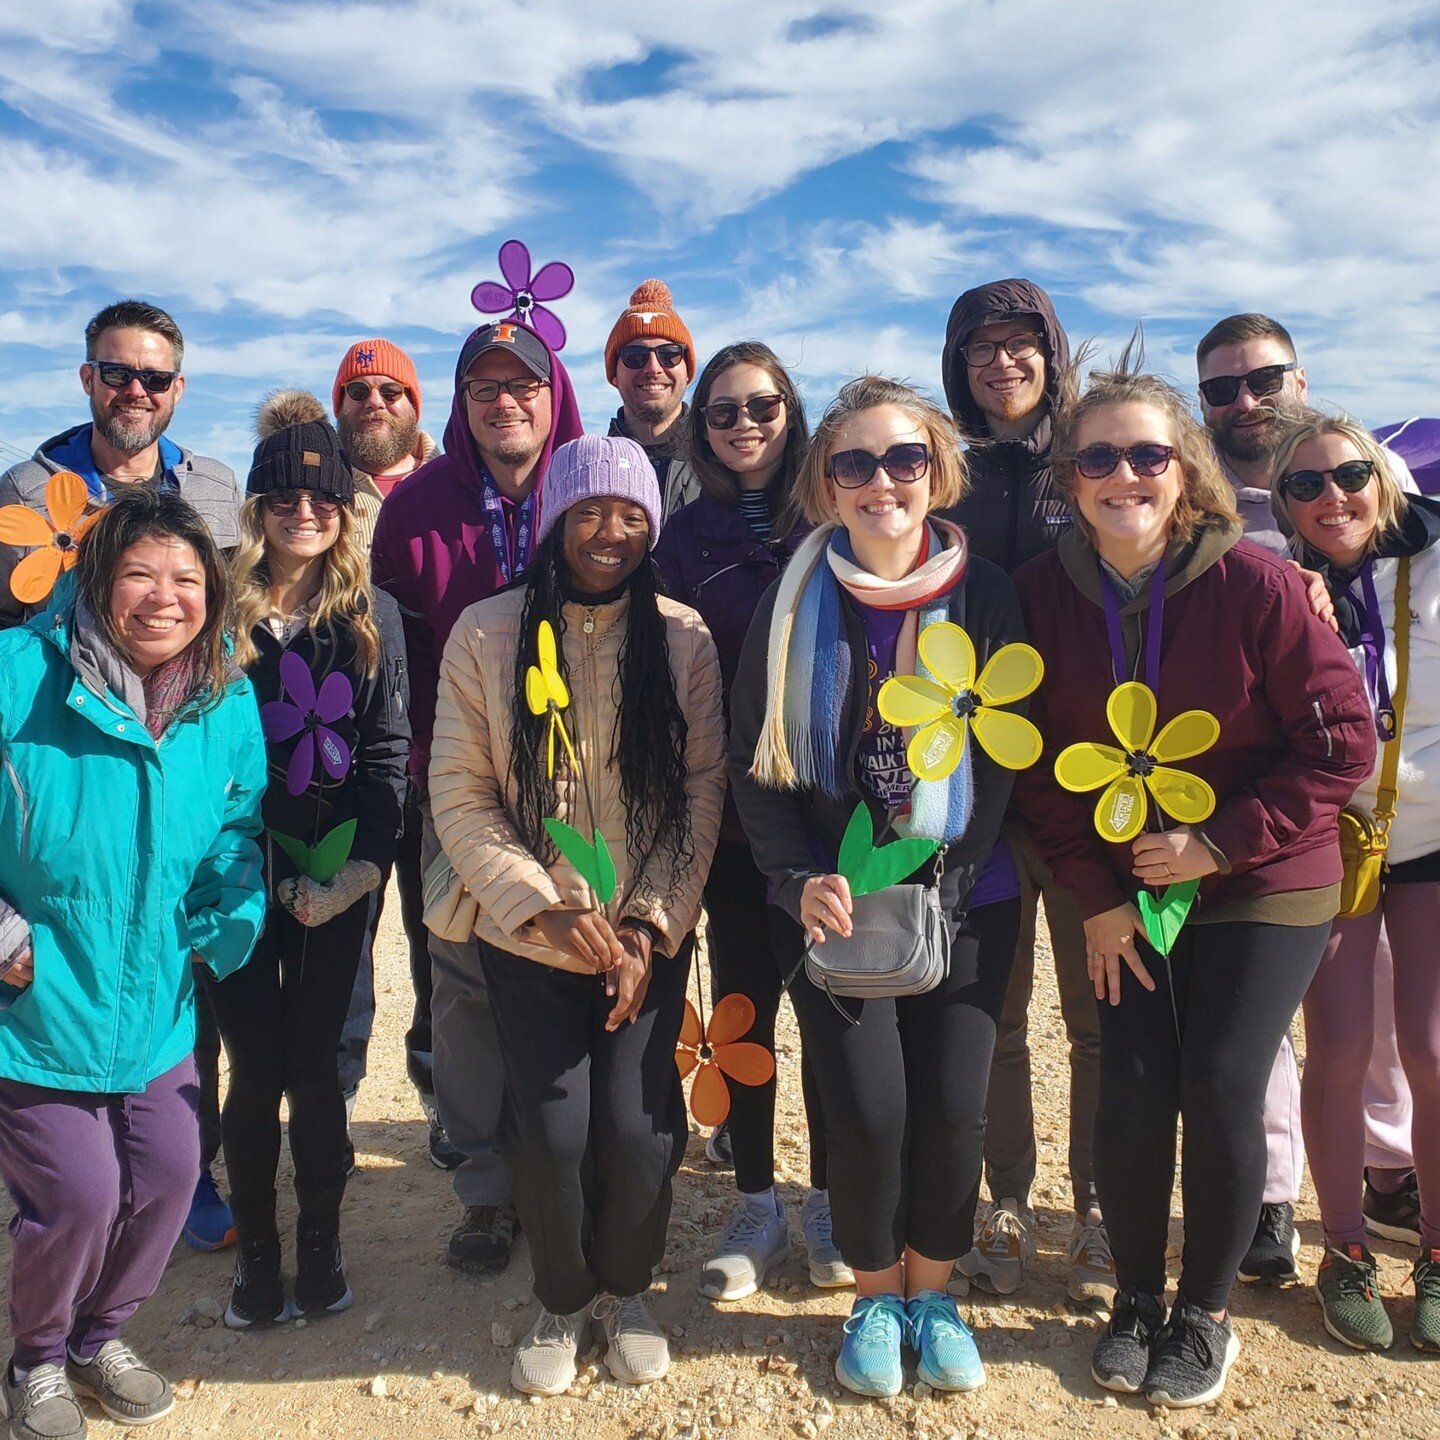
21, 973
631, 979
1169, 857
825, 902
312, 903
1318, 594
585, 935
1109, 939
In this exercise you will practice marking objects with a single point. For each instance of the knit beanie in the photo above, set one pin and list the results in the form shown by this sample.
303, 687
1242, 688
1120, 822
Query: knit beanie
305, 456
377, 357
650, 315
599, 465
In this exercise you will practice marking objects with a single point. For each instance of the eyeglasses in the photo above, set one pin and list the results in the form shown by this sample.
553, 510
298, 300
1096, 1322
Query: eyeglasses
117, 376
637, 357
524, 388
1352, 477
1147, 458
725, 414
1017, 347
360, 390
904, 464
287, 502
1220, 390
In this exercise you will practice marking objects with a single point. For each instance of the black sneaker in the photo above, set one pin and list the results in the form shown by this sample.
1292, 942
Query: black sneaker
1395, 1216
1270, 1260
443, 1155
320, 1284
480, 1244
718, 1149
1122, 1354
258, 1295
1193, 1355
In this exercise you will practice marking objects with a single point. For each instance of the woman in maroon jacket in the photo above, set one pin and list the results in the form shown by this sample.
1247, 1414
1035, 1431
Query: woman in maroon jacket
1155, 585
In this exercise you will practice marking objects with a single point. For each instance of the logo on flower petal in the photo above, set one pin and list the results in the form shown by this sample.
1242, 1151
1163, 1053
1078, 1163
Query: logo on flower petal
947, 708
66, 497
521, 293
1143, 763
310, 715
717, 1051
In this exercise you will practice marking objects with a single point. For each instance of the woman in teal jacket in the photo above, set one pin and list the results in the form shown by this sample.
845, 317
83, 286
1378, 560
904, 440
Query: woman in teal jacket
133, 769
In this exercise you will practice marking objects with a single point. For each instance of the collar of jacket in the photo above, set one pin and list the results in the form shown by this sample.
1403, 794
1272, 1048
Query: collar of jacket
1183, 563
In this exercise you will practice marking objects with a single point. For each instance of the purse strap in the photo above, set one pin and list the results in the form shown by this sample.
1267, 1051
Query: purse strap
1387, 793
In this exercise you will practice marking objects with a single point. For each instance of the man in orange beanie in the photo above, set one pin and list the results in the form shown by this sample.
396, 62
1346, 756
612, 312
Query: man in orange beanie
650, 360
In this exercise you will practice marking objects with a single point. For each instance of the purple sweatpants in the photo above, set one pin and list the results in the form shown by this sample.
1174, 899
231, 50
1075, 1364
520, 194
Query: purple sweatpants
1339, 1033
101, 1185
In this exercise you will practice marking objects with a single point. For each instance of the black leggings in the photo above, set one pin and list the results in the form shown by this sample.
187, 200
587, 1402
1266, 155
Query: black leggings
280, 1017
594, 1126
1236, 989
904, 1097
753, 946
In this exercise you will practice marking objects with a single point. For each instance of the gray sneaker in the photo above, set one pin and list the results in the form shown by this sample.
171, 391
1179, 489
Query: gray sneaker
1089, 1265
1003, 1248
546, 1362
828, 1269
637, 1352
123, 1385
42, 1406
755, 1244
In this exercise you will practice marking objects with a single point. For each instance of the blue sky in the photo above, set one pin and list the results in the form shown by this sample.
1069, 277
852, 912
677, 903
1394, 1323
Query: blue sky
287, 178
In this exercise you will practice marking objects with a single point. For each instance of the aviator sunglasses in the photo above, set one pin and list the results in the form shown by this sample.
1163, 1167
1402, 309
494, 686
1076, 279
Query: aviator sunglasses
1220, 390
725, 414
1304, 485
287, 502
904, 464
117, 376
637, 357
1147, 458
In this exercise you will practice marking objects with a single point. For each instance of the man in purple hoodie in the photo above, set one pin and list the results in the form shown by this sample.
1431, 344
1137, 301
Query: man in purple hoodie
456, 531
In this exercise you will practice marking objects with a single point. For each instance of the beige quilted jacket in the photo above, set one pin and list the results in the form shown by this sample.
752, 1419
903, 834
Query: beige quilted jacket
471, 795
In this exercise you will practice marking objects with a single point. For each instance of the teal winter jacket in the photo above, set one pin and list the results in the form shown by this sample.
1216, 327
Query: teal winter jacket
126, 856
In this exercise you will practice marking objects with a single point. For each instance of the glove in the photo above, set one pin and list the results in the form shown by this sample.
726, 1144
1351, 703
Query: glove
312, 903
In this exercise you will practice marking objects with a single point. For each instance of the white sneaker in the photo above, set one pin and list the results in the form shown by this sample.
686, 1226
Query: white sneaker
637, 1352
1090, 1267
1003, 1248
545, 1363
755, 1244
828, 1269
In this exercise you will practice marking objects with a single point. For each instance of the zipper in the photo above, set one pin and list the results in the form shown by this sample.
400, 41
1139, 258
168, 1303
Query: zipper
24, 807
1324, 728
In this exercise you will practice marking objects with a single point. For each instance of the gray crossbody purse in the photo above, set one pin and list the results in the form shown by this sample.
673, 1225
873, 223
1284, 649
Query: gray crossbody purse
900, 945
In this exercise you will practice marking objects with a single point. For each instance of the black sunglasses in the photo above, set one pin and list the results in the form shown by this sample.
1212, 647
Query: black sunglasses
1147, 458
725, 414
1221, 390
637, 357
117, 376
287, 502
360, 390
904, 464
1304, 485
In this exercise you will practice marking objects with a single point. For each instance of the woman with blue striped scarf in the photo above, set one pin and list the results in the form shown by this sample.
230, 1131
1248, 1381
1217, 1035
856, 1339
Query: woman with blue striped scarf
902, 1080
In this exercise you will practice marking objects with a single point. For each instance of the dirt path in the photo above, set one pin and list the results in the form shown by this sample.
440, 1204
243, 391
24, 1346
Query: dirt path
426, 1351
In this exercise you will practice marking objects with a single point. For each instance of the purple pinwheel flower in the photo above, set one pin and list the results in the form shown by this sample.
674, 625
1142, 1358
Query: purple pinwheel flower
313, 715
520, 293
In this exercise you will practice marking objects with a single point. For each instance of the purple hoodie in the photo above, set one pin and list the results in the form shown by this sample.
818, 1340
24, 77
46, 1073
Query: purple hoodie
433, 552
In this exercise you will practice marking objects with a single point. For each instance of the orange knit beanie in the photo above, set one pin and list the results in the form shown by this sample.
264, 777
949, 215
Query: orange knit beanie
378, 357
650, 315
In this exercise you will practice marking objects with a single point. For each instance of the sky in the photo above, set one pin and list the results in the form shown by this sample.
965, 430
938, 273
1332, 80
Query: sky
286, 178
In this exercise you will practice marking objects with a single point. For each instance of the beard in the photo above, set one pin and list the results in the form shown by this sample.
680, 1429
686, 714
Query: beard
652, 412
129, 432
374, 449
515, 451
1255, 441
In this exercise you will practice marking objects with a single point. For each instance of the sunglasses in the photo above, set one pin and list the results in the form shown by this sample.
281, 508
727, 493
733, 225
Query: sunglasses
1147, 458
1352, 477
725, 414
360, 390
117, 376
904, 464
637, 357
1017, 347
1221, 390
287, 502
482, 392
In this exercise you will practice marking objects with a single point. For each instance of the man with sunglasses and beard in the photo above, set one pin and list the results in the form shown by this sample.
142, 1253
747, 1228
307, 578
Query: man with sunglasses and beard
131, 374
1252, 391
650, 360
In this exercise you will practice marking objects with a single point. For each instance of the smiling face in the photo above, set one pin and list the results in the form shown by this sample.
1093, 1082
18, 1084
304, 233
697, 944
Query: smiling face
881, 515
375, 433
751, 452
1009, 392
157, 601
1340, 526
603, 542
130, 419
299, 537
653, 394
509, 433
1249, 430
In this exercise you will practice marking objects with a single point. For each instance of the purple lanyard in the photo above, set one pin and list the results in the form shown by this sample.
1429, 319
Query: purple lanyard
1372, 640
1153, 624
511, 555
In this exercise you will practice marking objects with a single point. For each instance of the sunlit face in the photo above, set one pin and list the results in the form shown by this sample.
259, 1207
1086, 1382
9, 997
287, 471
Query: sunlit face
1129, 513
157, 600
603, 542
130, 419
654, 393
752, 451
1250, 429
377, 433
1006, 389
300, 536
1338, 525
882, 511
506, 430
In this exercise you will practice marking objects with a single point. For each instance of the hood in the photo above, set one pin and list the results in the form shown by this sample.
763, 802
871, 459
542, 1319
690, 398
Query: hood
460, 447
987, 305
70, 450
1183, 563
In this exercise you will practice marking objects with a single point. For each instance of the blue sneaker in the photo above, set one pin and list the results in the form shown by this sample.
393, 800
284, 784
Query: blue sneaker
869, 1358
948, 1357
210, 1225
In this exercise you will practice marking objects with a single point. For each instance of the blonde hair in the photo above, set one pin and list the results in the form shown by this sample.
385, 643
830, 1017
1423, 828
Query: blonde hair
949, 477
344, 597
1206, 496
1390, 501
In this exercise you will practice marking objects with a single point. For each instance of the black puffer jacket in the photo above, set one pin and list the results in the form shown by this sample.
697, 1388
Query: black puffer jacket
1014, 509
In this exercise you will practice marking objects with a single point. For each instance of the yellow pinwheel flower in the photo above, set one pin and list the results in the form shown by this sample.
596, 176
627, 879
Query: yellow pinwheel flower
944, 712
1141, 764
545, 691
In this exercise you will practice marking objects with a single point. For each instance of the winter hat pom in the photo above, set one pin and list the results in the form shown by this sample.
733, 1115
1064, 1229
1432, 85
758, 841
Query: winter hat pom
283, 408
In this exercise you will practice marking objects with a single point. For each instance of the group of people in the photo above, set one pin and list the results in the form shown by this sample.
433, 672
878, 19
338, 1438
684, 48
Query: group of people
1062, 642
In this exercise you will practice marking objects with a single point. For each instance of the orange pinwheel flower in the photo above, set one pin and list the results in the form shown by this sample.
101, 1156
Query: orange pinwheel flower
719, 1048
66, 497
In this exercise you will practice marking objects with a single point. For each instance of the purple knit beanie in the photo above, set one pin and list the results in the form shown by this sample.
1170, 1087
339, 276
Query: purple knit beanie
597, 465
